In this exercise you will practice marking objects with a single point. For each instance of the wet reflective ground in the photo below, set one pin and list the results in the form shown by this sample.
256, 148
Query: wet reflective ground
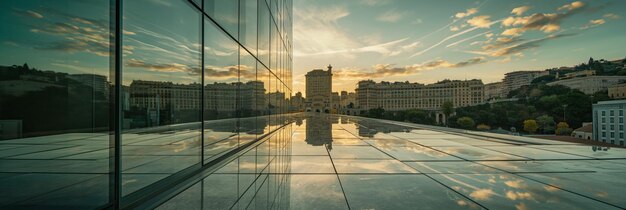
337, 162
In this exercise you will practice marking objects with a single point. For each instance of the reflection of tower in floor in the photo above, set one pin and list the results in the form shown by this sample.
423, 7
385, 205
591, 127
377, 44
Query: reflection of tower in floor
318, 132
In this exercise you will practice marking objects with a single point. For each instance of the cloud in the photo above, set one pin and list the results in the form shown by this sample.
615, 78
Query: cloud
212, 72
170, 67
454, 28
391, 16
514, 49
448, 38
572, 6
611, 16
520, 10
75, 33
593, 23
384, 70
466, 39
384, 49
513, 32
467, 13
480, 21
374, 2
316, 30
28, 13
417, 21
546, 22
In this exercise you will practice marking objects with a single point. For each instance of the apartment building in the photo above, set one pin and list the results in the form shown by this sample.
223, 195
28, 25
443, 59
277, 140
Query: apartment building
405, 95
590, 84
608, 121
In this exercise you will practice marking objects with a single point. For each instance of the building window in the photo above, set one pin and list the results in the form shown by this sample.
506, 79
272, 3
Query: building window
611, 113
603, 120
612, 135
621, 135
612, 127
612, 120
621, 112
603, 134
603, 113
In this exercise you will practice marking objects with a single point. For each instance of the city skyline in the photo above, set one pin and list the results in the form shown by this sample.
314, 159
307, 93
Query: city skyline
428, 42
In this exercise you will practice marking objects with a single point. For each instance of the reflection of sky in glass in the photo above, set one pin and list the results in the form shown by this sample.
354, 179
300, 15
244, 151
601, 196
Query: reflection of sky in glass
62, 36
163, 39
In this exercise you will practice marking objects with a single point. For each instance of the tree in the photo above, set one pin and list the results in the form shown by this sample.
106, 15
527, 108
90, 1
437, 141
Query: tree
530, 126
546, 123
466, 122
447, 107
563, 129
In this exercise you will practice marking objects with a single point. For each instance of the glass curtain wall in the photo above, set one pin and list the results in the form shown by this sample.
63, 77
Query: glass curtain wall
105, 103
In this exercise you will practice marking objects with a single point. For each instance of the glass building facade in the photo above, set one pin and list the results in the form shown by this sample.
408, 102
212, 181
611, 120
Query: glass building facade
107, 104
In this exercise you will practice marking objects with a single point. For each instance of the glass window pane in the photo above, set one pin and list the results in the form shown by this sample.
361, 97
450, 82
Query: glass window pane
162, 80
220, 90
246, 96
264, 33
248, 24
54, 104
225, 13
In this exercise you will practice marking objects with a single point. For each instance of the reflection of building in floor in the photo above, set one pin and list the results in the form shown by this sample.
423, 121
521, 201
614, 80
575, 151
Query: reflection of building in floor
319, 132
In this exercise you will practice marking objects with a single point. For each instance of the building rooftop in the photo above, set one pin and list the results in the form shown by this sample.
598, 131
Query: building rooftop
359, 163
323, 161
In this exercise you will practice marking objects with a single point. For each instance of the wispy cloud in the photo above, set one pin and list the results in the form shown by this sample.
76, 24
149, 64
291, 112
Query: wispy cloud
611, 16
385, 70
449, 38
593, 23
375, 2
390, 16
466, 39
518, 48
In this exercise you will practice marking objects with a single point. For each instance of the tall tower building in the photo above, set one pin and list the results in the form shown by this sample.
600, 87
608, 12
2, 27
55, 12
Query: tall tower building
319, 85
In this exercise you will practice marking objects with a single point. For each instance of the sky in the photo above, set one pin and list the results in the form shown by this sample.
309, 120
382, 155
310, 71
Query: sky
427, 41
392, 40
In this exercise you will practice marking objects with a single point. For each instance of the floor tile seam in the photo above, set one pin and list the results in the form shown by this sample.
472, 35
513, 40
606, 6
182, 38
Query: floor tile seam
338, 179
53, 191
47, 150
582, 156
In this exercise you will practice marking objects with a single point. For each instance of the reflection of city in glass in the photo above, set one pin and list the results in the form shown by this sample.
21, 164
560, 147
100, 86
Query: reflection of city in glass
189, 82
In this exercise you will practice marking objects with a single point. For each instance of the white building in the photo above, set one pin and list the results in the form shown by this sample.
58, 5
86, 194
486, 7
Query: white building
319, 85
590, 84
584, 132
494, 90
617, 91
517, 79
608, 121
404, 95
